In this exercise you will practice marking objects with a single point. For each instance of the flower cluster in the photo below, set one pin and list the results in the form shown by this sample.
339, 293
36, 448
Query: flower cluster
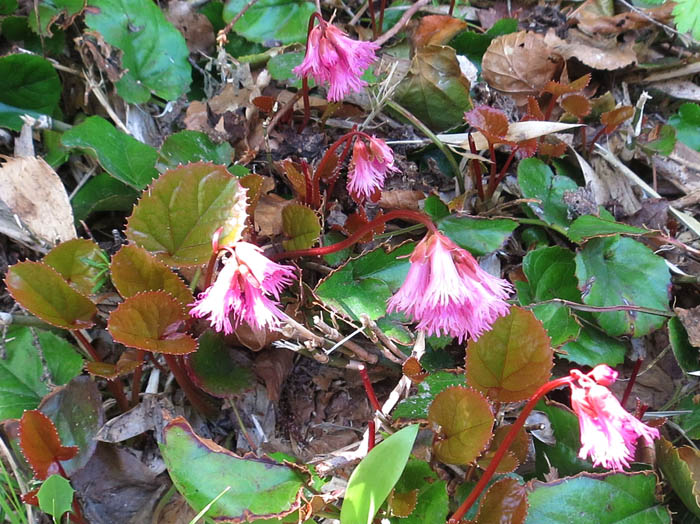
371, 163
609, 433
447, 293
247, 289
333, 58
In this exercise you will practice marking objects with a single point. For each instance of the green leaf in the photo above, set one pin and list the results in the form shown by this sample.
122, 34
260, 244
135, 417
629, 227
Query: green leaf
466, 424
7, 7
479, 236
135, 270
665, 143
364, 284
686, 355
177, 217
55, 496
593, 347
122, 156
512, 360
76, 410
681, 468
49, 11
102, 193
432, 501
435, 207
590, 226
152, 321
687, 123
259, 487
434, 89
372, 481
690, 423
603, 499
686, 14
301, 225
337, 258
536, 180
75, 261
280, 68
155, 55
563, 455
22, 385
620, 271
215, 370
16, 29
194, 146
41, 290
28, 85
473, 45
266, 20
416, 406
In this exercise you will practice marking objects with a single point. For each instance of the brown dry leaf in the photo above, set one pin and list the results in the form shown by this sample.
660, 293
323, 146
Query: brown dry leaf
194, 26
690, 318
273, 366
32, 191
593, 21
597, 52
681, 167
681, 89
176, 511
401, 199
520, 64
255, 339
437, 30
268, 215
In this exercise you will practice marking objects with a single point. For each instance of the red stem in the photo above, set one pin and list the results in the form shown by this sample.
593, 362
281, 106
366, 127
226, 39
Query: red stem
452, 7
492, 175
193, 394
370, 5
369, 389
115, 386
510, 437
502, 173
632, 380
371, 434
405, 214
381, 16
550, 107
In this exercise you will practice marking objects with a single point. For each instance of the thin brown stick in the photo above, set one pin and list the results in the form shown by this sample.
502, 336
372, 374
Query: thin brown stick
221, 37
402, 22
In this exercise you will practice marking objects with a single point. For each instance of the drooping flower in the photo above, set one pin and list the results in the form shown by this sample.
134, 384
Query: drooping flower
333, 57
370, 166
447, 293
608, 432
247, 289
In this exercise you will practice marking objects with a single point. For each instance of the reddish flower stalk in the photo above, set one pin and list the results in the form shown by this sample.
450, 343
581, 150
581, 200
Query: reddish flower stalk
369, 389
632, 380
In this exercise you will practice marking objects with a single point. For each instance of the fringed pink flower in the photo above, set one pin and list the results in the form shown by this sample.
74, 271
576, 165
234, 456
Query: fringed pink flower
247, 289
370, 166
447, 293
334, 58
609, 433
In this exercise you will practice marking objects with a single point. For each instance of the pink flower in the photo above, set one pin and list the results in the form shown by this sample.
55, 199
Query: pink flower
247, 289
447, 293
608, 432
369, 168
334, 58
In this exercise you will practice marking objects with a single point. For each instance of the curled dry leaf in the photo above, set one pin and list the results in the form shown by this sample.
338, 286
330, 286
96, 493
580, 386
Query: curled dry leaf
597, 52
520, 64
32, 191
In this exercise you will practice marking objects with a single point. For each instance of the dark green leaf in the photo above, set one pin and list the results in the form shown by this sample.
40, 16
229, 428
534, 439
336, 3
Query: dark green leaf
215, 370
371, 481
280, 68
416, 406
337, 258
593, 347
479, 236
537, 181
620, 271
690, 423
7, 7
16, 29
603, 499
590, 226
681, 467
51, 10
154, 52
55, 496
122, 156
28, 84
686, 355
432, 502
473, 45
103, 193
194, 146
269, 20
257, 487
435, 207
687, 123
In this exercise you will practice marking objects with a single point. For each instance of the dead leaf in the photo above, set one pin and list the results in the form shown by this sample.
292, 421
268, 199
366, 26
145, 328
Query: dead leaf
401, 199
517, 132
520, 64
152, 413
33, 192
437, 30
681, 89
690, 318
273, 367
194, 26
593, 21
601, 53
681, 167
268, 215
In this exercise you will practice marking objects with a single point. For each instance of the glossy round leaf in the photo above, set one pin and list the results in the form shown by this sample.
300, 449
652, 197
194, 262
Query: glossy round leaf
604, 271
505, 502
466, 421
41, 290
268, 20
41, 445
55, 496
76, 260
512, 360
135, 270
259, 487
152, 321
178, 215
537, 181
479, 236
301, 225
214, 369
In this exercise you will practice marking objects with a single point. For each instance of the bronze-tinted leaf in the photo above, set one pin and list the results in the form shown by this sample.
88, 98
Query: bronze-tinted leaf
402, 504
577, 105
41, 290
558, 89
41, 444
492, 123
612, 119
77, 262
413, 370
466, 421
437, 30
301, 225
135, 270
519, 64
516, 454
512, 360
505, 502
127, 363
152, 321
